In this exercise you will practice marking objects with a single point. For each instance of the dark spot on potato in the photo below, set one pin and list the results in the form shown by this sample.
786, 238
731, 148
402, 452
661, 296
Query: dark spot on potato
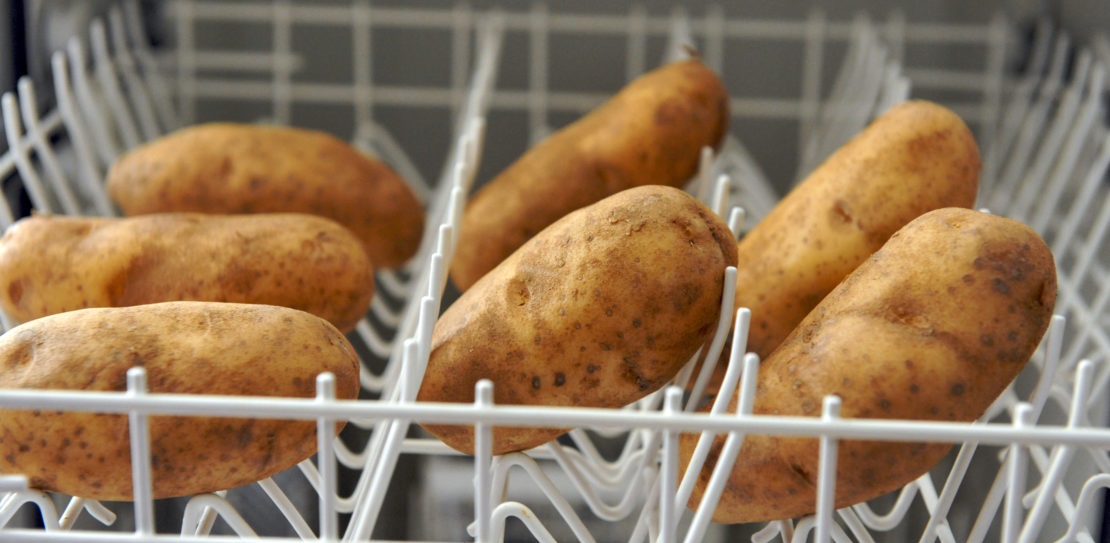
669, 112
1000, 286
605, 346
914, 389
536, 382
809, 405
688, 295
636, 323
840, 212
560, 379
801, 472
884, 404
591, 368
968, 279
245, 435
518, 292
957, 389
986, 340
15, 291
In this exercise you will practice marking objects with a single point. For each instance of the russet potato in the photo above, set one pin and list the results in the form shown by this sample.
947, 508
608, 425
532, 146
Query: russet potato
185, 348
916, 157
599, 309
933, 326
232, 168
651, 132
50, 264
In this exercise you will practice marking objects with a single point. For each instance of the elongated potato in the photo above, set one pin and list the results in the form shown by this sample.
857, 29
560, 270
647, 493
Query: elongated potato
650, 133
186, 348
933, 326
248, 168
600, 309
50, 264
916, 157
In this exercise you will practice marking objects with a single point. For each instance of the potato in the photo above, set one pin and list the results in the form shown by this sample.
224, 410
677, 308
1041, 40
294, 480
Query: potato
650, 133
933, 326
186, 348
916, 157
599, 309
50, 264
247, 168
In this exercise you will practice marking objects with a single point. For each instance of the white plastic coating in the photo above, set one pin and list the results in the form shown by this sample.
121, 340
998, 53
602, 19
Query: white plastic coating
108, 79
325, 439
748, 367
727, 457
1030, 186
288, 510
10, 503
89, 99
999, 147
826, 472
1061, 458
501, 467
88, 170
668, 511
136, 89
200, 505
139, 436
483, 458
36, 132
1063, 170
149, 69
716, 346
1016, 462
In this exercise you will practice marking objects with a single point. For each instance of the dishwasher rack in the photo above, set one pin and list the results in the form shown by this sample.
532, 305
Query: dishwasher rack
1032, 469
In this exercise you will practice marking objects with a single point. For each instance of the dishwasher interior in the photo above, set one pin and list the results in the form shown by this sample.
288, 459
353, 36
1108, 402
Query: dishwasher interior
449, 94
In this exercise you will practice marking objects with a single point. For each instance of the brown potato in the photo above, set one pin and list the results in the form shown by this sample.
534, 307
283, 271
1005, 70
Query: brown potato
933, 326
247, 168
50, 264
650, 133
916, 157
186, 348
600, 309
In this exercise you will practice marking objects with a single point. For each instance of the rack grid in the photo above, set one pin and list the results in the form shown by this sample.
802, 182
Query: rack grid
1032, 469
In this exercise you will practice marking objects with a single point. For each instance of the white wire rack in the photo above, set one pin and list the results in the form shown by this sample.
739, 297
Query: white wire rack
1032, 469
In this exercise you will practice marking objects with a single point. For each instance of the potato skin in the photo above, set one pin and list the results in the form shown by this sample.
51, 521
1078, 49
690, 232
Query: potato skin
933, 326
248, 168
186, 348
650, 133
50, 264
916, 157
600, 309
